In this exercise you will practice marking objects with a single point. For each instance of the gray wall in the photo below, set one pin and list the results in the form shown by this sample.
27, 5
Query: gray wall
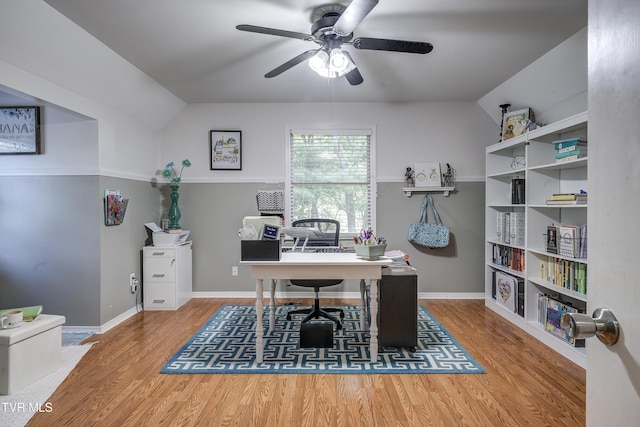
57, 251
51, 242
214, 212
121, 245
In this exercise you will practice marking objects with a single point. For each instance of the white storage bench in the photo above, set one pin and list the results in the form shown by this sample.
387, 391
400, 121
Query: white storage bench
29, 352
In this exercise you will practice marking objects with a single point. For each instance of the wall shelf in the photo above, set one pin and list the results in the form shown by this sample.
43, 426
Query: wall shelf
410, 190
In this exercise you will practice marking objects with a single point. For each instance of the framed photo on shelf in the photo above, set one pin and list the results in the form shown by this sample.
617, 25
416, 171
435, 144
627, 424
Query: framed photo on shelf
427, 175
515, 123
19, 130
225, 149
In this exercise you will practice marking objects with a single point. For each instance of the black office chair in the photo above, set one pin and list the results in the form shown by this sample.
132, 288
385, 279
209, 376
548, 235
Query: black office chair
327, 235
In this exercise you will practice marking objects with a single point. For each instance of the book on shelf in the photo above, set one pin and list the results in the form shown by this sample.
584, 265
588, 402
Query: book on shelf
551, 239
566, 202
580, 152
516, 228
568, 196
582, 248
517, 191
569, 239
570, 142
501, 218
509, 290
550, 314
572, 148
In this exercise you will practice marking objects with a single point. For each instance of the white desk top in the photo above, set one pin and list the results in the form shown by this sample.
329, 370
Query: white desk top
321, 258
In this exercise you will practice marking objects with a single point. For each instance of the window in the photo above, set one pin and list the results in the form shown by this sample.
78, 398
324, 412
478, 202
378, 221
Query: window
331, 174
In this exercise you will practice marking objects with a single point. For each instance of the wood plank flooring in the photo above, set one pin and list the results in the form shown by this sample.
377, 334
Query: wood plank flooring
117, 383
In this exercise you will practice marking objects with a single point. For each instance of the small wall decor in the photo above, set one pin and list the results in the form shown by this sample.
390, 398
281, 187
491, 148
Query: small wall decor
225, 149
427, 174
19, 130
115, 207
515, 123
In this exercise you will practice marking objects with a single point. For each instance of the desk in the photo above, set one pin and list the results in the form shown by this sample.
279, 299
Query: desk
303, 265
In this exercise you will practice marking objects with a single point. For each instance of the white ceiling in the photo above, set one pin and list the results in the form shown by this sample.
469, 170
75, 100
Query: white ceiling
193, 49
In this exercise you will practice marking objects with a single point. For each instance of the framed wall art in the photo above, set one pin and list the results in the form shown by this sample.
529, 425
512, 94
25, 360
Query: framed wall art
19, 130
427, 174
515, 123
225, 149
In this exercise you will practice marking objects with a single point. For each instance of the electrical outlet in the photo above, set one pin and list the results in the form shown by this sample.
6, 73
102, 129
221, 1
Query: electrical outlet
234, 270
133, 283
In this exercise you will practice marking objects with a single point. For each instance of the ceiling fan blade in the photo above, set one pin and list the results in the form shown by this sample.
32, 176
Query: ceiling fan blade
291, 63
275, 32
392, 45
353, 16
353, 77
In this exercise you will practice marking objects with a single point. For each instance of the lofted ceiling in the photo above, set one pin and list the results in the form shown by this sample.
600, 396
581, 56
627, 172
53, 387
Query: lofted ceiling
192, 47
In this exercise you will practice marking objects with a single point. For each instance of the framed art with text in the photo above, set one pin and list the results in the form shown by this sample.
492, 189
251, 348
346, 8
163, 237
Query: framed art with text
225, 149
19, 130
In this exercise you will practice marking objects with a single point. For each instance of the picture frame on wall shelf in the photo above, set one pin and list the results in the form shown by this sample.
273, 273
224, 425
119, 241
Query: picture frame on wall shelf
427, 174
20, 130
225, 149
516, 123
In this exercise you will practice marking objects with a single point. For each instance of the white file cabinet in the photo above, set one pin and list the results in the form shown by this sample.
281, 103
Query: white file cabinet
167, 276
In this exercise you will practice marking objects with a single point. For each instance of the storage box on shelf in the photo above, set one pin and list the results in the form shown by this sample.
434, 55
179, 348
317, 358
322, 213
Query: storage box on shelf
532, 158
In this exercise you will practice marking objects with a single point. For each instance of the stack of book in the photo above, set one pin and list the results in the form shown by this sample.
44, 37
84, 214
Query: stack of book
567, 199
568, 150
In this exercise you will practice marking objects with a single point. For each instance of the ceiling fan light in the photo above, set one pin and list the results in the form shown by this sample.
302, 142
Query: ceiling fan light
319, 62
338, 60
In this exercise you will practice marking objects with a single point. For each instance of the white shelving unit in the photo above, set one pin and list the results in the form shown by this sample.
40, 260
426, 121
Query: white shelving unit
543, 177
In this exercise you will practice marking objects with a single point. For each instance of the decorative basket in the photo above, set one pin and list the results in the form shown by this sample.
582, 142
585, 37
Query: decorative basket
370, 252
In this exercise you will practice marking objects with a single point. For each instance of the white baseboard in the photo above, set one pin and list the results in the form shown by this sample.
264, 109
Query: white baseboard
356, 295
109, 325
252, 295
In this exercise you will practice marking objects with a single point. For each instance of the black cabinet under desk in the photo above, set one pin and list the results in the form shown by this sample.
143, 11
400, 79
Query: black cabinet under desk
398, 309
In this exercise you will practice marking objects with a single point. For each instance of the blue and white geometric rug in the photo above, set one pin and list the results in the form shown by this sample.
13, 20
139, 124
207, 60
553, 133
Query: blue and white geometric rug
226, 344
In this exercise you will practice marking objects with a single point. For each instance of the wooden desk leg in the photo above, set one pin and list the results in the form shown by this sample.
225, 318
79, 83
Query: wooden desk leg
272, 307
363, 305
259, 327
373, 325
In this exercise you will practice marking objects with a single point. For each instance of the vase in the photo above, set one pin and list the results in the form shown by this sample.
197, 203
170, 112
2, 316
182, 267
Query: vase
174, 210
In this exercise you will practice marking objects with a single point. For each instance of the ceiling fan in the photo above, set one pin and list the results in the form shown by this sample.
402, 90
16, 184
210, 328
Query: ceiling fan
333, 26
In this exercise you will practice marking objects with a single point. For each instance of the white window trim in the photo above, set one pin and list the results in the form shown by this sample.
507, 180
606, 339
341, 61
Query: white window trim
339, 129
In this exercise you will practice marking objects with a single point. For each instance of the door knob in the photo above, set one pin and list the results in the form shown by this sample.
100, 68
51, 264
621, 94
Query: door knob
602, 324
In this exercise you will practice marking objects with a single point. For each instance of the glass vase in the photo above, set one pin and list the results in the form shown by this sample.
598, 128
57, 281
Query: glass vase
174, 210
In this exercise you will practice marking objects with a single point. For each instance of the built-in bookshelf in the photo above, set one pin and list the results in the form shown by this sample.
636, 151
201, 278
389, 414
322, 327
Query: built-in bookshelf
523, 175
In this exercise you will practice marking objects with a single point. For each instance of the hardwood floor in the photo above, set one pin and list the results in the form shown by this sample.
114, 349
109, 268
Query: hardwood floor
117, 383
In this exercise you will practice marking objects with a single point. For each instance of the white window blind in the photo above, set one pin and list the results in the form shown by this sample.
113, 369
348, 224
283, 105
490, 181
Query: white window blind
330, 175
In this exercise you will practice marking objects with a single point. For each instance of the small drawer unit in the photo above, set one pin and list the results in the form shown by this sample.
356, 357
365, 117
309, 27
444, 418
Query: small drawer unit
167, 276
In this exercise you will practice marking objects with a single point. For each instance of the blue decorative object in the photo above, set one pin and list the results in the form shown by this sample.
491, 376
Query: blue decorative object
174, 210
226, 344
